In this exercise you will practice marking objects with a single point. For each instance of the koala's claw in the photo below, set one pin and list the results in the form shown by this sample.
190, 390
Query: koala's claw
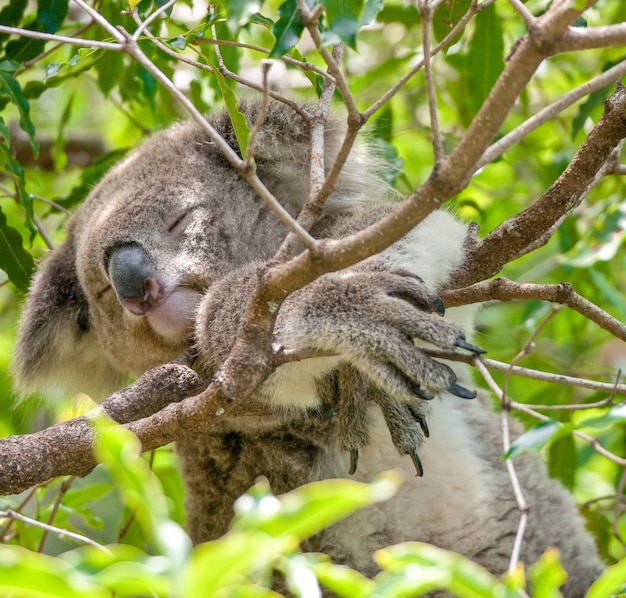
461, 391
463, 344
439, 306
354, 461
421, 420
418, 392
419, 469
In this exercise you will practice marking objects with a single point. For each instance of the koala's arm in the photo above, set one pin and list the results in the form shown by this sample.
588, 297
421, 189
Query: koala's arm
368, 317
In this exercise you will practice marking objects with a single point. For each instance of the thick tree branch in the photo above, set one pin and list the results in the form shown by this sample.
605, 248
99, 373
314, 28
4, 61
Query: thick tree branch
532, 227
66, 448
502, 289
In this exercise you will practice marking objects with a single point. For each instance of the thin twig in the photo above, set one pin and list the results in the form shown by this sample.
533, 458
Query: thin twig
62, 533
549, 112
102, 21
522, 505
63, 488
150, 19
426, 12
61, 39
502, 289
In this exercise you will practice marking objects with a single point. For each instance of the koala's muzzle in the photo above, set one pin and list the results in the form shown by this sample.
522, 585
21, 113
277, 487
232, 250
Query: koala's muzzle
134, 278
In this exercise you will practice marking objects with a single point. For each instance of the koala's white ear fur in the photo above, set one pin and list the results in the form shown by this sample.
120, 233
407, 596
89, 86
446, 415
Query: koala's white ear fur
56, 350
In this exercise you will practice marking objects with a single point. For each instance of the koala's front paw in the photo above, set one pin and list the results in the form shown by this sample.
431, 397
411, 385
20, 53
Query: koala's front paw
372, 318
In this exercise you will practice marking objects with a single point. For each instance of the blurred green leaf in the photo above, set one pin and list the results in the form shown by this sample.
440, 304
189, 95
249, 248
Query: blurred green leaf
240, 11
612, 582
14, 259
419, 568
23, 49
547, 575
10, 88
537, 437
343, 581
10, 16
485, 58
447, 15
616, 414
51, 14
344, 20
26, 574
310, 508
288, 28
226, 563
119, 451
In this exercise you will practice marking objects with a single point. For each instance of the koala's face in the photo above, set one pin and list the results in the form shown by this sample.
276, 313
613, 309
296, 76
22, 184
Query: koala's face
151, 238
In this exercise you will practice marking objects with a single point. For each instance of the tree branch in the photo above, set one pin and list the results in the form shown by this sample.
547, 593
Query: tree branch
533, 226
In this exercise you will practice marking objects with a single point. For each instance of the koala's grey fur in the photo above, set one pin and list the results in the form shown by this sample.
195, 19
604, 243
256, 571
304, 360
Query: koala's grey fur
175, 220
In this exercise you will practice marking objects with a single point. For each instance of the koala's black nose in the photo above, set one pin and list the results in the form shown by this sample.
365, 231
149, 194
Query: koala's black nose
134, 278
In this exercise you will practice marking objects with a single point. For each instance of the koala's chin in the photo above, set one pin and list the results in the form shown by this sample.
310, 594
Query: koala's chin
173, 318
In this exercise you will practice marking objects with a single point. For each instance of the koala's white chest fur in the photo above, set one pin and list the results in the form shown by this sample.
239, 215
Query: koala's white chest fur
447, 506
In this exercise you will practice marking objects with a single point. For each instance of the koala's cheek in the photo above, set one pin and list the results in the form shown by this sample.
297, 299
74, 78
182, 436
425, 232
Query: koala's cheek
174, 317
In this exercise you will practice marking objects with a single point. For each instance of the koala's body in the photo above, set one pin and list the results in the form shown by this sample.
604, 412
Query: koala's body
162, 255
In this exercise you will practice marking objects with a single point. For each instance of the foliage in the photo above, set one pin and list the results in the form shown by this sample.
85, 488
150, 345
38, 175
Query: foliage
68, 112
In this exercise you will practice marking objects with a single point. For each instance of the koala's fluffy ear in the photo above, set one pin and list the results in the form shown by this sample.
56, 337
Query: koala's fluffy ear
56, 350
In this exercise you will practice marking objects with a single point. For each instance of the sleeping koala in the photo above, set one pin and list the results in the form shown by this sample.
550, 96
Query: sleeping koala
162, 256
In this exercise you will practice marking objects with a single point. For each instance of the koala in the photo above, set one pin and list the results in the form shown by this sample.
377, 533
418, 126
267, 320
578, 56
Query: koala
162, 256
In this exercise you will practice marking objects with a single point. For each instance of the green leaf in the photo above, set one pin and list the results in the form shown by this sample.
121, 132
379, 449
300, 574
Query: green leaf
485, 56
240, 11
310, 508
124, 570
612, 582
563, 460
371, 10
13, 167
537, 437
344, 20
227, 562
108, 67
407, 14
547, 575
26, 574
447, 15
14, 259
342, 581
419, 568
11, 15
238, 120
9, 87
602, 243
288, 29
118, 450
616, 414
25, 48
51, 14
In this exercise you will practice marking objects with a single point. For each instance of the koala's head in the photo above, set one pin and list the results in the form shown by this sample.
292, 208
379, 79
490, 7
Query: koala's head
120, 294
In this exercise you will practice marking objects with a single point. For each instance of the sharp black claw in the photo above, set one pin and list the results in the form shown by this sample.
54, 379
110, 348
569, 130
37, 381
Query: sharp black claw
461, 391
422, 422
354, 461
419, 469
417, 391
463, 344
439, 306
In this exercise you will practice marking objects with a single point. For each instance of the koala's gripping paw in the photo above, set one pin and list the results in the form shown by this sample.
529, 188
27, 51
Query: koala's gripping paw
348, 393
371, 318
